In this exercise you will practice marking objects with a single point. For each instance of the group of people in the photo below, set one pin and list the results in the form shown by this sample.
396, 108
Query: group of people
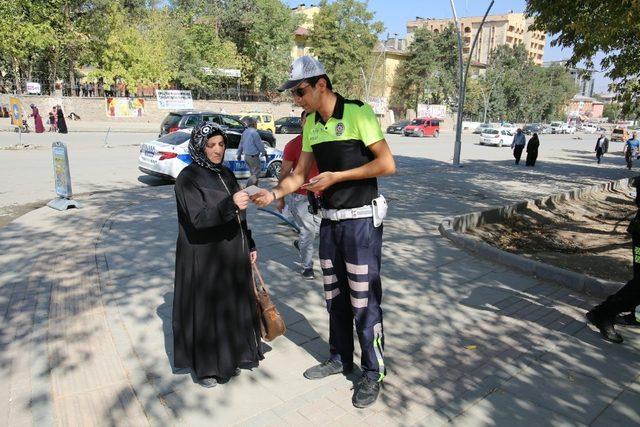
518, 145
215, 322
56, 120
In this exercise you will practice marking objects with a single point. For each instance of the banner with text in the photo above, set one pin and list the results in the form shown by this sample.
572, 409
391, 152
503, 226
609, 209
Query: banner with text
174, 99
435, 111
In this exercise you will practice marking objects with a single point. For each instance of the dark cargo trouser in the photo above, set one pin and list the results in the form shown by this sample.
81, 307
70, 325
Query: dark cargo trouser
350, 253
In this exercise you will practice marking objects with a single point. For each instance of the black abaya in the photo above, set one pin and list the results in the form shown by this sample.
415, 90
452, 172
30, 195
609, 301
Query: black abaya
62, 124
215, 323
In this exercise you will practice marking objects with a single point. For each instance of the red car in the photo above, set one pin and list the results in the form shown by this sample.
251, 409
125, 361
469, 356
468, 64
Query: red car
424, 126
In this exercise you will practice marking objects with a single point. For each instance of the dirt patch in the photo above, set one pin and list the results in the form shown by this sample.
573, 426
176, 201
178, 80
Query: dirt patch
588, 236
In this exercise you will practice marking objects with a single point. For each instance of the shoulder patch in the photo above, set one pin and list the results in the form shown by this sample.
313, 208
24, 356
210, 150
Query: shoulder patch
354, 101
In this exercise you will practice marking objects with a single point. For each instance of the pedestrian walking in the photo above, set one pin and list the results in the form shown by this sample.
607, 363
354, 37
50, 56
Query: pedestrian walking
61, 123
602, 144
532, 150
345, 139
631, 148
517, 145
215, 322
77, 88
37, 119
298, 203
252, 146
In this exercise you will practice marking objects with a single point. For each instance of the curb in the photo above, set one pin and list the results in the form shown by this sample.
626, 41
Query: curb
453, 228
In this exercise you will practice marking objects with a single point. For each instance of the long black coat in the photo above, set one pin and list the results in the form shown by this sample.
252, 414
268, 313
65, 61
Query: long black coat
215, 323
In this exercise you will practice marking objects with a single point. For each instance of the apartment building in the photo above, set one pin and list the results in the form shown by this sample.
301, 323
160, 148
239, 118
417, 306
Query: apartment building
508, 29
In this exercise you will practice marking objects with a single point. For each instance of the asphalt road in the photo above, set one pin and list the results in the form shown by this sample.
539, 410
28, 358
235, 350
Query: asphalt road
27, 175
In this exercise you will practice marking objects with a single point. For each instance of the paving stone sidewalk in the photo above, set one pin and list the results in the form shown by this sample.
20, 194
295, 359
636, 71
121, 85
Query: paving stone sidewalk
86, 339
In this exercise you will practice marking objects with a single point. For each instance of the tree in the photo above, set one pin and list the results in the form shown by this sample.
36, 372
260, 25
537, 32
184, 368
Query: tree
430, 73
612, 112
592, 26
262, 30
342, 37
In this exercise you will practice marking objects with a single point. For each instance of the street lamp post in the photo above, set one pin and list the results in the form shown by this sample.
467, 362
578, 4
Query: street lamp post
462, 77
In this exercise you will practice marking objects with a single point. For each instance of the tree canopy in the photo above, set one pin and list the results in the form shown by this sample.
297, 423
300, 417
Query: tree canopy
342, 37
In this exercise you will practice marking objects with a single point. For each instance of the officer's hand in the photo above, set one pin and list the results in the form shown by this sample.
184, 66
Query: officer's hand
321, 182
262, 198
280, 205
253, 256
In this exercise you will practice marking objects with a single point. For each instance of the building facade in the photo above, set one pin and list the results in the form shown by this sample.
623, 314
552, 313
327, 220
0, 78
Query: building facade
508, 29
582, 77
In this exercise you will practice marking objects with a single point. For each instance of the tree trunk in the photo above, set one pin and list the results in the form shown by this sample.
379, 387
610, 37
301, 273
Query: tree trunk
16, 76
72, 77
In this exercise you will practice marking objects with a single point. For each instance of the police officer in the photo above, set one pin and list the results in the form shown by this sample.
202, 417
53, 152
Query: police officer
344, 138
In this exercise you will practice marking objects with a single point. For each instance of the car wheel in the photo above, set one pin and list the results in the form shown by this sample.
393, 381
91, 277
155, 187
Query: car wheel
419, 134
436, 134
274, 168
284, 129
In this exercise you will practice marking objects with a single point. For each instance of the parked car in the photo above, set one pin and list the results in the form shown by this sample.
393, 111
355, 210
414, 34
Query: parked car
619, 134
264, 121
532, 128
424, 126
398, 127
567, 128
483, 127
588, 127
183, 119
289, 125
556, 127
500, 136
166, 156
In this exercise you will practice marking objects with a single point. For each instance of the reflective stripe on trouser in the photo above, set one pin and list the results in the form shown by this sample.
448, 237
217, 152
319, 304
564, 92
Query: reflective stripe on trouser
309, 226
350, 260
253, 163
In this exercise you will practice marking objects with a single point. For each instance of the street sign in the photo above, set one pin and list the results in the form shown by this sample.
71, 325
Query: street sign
62, 178
16, 111
174, 99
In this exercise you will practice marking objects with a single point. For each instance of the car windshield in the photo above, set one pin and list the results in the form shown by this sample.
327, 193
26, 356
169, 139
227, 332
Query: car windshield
491, 131
401, 123
618, 131
175, 138
171, 120
231, 122
417, 121
281, 121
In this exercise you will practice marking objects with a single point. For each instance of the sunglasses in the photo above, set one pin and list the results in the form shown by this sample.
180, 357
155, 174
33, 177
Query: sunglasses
299, 91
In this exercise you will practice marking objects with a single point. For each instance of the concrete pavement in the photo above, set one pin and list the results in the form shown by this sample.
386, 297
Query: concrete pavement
86, 298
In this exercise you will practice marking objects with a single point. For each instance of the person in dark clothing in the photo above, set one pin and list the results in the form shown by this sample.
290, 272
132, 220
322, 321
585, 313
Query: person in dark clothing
215, 321
602, 144
532, 150
518, 144
627, 299
62, 124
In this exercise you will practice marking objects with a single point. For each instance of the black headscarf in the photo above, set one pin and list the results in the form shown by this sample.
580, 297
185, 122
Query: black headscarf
199, 136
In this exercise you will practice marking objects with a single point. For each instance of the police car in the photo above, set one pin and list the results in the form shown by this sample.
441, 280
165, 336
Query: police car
166, 156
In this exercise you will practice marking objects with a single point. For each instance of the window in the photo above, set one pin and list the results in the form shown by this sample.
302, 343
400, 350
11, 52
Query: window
417, 121
266, 119
192, 121
175, 138
231, 122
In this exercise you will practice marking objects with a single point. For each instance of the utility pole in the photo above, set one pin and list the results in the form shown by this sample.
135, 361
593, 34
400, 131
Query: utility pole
462, 77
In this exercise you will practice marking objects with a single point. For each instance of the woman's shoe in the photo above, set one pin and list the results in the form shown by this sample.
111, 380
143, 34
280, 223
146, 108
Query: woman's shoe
208, 382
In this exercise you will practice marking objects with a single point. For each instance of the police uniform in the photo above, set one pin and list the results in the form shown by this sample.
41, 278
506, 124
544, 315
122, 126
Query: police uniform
350, 249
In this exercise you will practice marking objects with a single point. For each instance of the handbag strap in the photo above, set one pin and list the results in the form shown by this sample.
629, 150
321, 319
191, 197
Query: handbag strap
256, 273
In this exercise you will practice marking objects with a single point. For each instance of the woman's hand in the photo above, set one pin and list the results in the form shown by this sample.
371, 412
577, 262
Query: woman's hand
241, 199
253, 256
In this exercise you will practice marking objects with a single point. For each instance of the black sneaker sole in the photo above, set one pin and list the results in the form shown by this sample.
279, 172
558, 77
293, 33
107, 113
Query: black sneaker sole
343, 372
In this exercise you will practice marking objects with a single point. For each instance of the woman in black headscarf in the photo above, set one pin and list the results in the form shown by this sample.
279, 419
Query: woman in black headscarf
62, 124
215, 322
532, 150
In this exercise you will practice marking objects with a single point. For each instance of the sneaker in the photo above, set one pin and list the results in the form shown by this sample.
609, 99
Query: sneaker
308, 274
365, 392
296, 245
627, 320
208, 382
606, 328
329, 367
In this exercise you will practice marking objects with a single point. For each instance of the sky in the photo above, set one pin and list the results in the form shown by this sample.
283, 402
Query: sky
394, 14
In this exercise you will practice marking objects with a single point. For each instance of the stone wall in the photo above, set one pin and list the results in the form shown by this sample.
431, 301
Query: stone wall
95, 109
